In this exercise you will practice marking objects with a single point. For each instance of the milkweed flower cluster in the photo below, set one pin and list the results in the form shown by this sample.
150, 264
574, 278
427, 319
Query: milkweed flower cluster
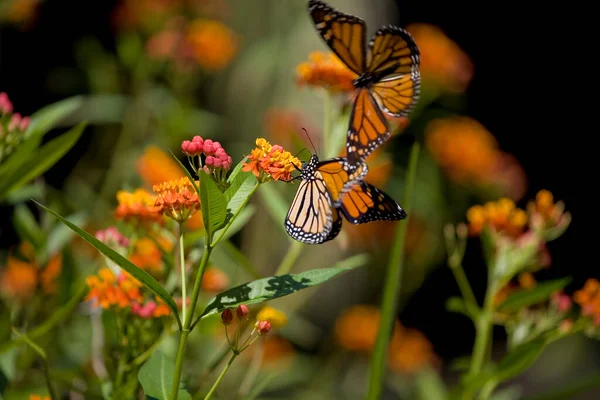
268, 161
325, 70
209, 156
176, 199
122, 291
137, 207
12, 127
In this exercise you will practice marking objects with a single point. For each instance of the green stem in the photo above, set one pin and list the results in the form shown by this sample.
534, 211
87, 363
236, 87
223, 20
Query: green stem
392, 286
483, 332
220, 378
188, 321
463, 283
290, 258
487, 390
183, 280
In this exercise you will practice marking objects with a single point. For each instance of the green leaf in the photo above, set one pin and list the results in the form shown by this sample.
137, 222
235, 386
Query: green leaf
238, 222
523, 298
61, 235
138, 273
519, 360
156, 377
430, 385
269, 288
39, 161
27, 227
212, 202
50, 116
56, 318
238, 201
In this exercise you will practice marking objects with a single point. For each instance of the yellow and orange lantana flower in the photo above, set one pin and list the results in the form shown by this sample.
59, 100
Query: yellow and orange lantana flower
271, 161
137, 207
108, 290
325, 70
177, 199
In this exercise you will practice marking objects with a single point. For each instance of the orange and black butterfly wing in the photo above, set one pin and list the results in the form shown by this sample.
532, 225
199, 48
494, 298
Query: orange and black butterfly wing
394, 55
336, 226
366, 203
392, 51
339, 175
368, 127
345, 34
309, 219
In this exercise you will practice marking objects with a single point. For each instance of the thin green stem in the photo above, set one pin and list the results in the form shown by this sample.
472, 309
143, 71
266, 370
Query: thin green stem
487, 390
188, 321
220, 378
183, 274
392, 285
483, 332
463, 283
252, 372
51, 391
290, 258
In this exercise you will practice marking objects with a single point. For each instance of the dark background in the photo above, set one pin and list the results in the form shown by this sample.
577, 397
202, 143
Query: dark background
522, 91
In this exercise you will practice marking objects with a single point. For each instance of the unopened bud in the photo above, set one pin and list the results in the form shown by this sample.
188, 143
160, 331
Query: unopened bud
263, 327
242, 312
227, 316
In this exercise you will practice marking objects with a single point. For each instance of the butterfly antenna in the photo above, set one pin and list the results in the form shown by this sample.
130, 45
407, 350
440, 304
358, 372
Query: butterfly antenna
312, 144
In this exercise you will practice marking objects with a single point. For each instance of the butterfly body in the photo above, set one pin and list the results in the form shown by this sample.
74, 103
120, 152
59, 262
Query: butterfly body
330, 189
387, 74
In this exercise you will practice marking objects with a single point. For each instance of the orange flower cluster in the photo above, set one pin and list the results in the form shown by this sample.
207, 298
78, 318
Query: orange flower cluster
137, 207
544, 212
325, 70
108, 290
214, 280
38, 397
156, 166
271, 161
356, 330
177, 199
146, 253
469, 153
588, 298
20, 277
442, 60
213, 45
502, 216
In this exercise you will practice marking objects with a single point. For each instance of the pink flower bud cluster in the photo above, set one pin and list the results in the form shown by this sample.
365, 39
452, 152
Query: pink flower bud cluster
242, 312
145, 311
561, 301
111, 235
216, 157
16, 121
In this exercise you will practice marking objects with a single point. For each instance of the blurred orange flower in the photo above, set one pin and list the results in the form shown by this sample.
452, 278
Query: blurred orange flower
38, 397
19, 279
442, 60
502, 216
285, 125
144, 14
147, 255
356, 330
469, 154
214, 280
213, 44
325, 70
20, 12
588, 298
276, 349
50, 273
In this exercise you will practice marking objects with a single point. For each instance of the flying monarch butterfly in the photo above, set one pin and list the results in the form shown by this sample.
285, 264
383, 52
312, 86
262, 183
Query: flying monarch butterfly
387, 77
329, 188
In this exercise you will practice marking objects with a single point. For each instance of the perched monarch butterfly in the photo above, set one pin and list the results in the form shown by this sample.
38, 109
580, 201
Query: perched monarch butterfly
331, 187
388, 77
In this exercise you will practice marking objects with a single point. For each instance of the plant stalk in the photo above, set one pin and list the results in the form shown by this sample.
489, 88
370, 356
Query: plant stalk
290, 258
392, 286
183, 274
220, 378
188, 321
463, 283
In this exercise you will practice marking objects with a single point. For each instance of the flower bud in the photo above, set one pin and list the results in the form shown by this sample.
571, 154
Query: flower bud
263, 327
242, 312
15, 121
227, 316
24, 123
210, 161
208, 147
